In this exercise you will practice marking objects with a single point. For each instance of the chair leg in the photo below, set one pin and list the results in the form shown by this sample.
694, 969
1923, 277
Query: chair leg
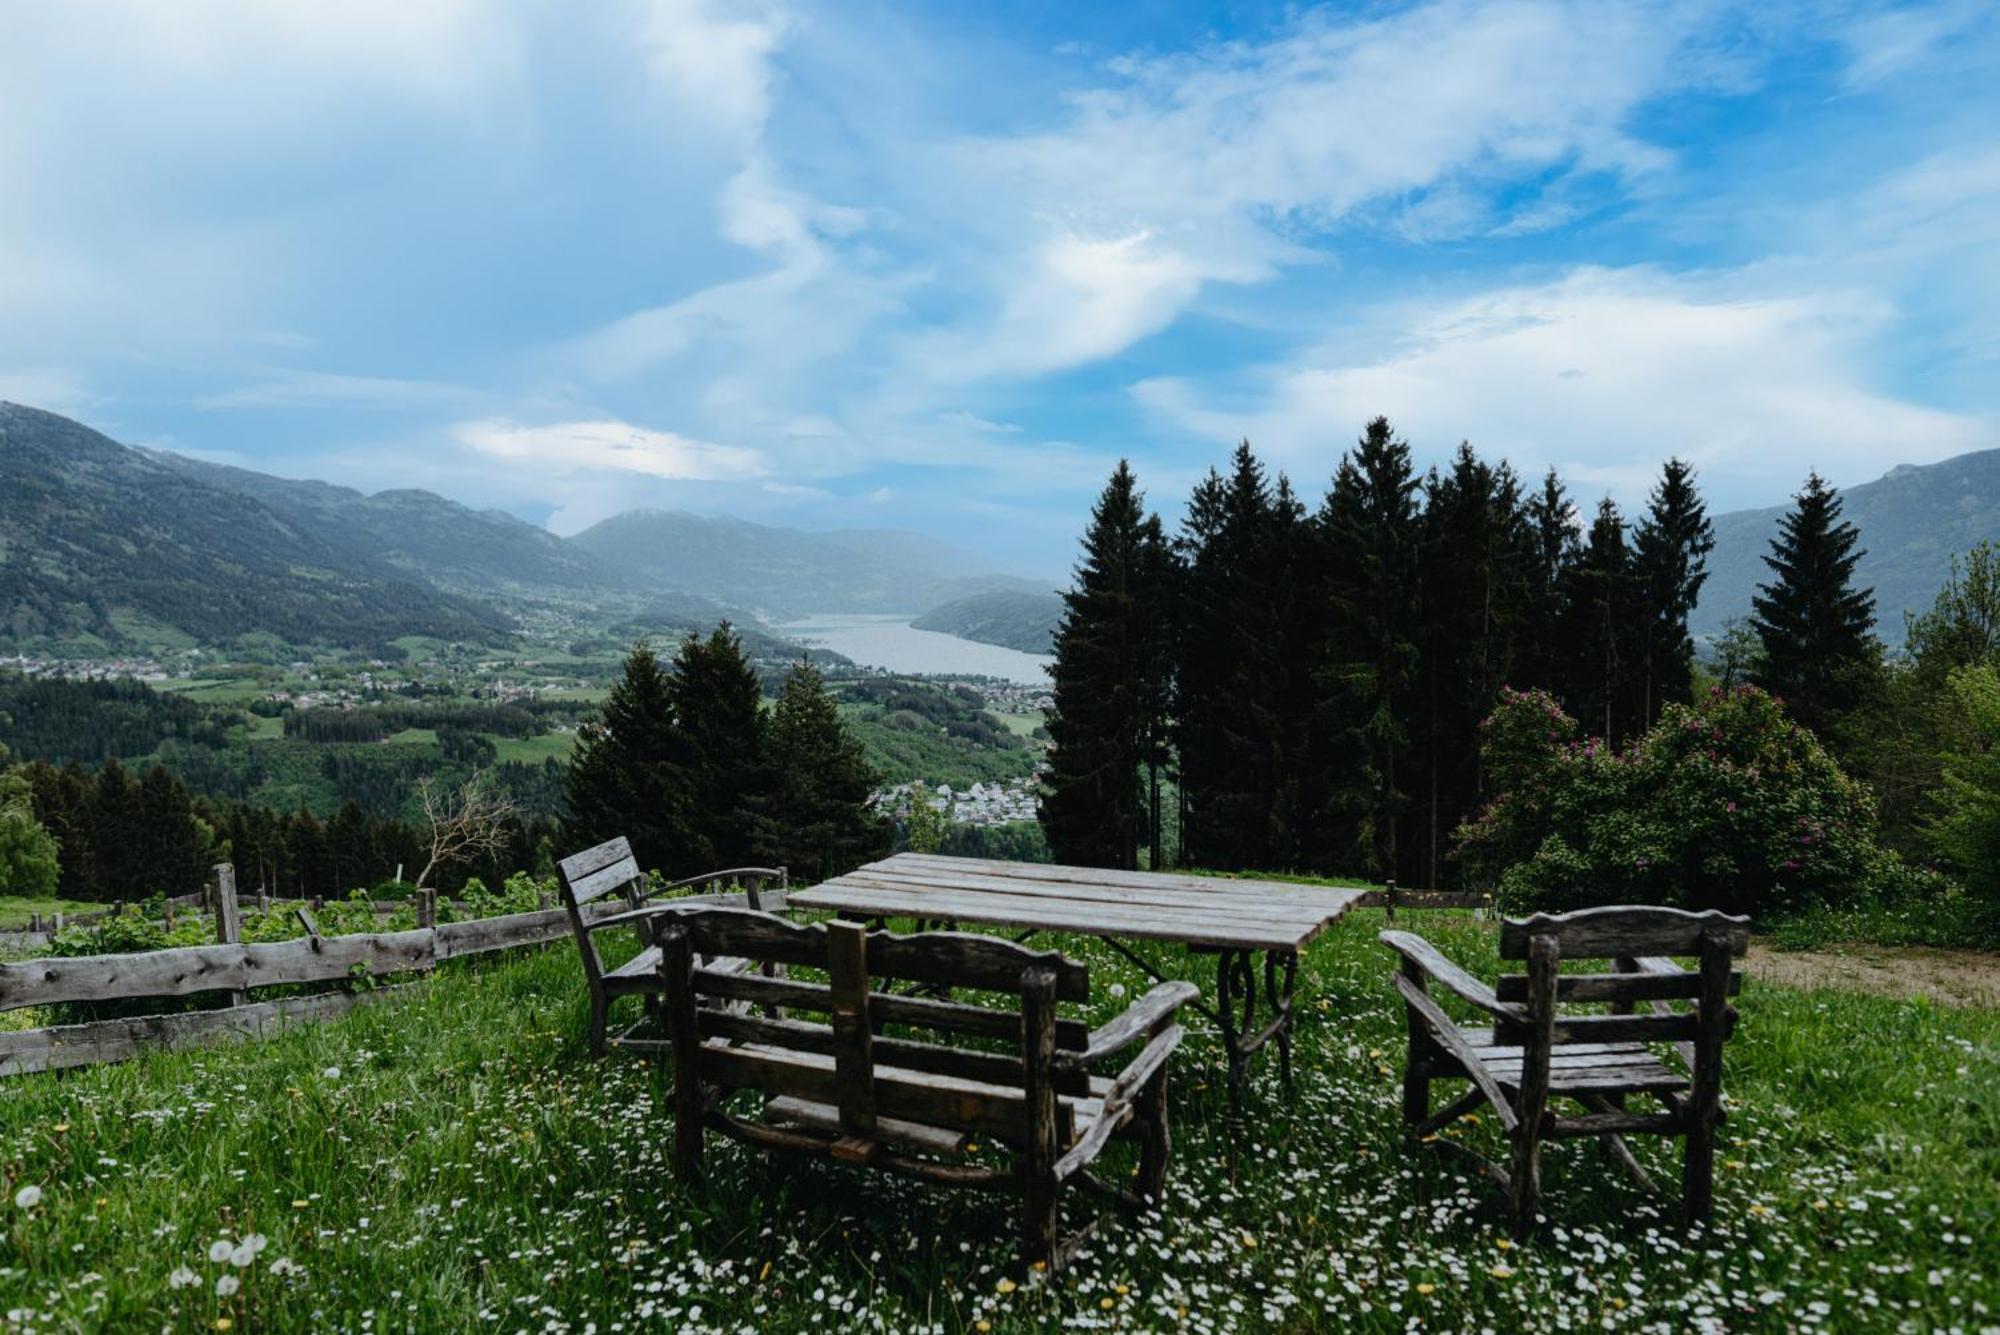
1158, 1139
1525, 1177
599, 1018
1040, 1220
1698, 1167
1416, 1085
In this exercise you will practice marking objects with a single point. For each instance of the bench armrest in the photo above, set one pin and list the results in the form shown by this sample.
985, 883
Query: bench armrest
629, 918
1138, 1020
1454, 979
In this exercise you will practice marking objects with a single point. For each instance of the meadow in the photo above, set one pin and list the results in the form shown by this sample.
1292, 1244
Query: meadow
452, 1159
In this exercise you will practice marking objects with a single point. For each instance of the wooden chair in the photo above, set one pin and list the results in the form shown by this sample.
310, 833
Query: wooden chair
843, 1089
610, 868
1531, 1052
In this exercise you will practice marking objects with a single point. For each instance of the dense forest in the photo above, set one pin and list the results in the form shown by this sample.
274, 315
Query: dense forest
1272, 686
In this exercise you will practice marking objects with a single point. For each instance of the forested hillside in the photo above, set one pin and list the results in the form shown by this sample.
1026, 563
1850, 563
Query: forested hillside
1016, 619
97, 539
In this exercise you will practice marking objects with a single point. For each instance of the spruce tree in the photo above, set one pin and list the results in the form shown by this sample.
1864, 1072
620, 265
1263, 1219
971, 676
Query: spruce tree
816, 813
1104, 689
1474, 581
1549, 532
1373, 538
1601, 633
1232, 737
717, 707
628, 774
1670, 562
1817, 629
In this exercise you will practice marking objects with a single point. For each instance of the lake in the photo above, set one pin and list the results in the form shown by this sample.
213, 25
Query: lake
892, 643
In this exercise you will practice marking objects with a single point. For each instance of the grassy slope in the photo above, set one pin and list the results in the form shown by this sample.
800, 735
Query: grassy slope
14, 909
452, 1160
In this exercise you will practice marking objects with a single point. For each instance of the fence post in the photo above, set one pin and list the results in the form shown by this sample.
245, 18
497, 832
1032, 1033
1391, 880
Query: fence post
427, 908
170, 915
1389, 898
228, 925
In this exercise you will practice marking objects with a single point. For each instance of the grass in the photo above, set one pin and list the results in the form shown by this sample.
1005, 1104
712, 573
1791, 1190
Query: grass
14, 909
533, 750
452, 1160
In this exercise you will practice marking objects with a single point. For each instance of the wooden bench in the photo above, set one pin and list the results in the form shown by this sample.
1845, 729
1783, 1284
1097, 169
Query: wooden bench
847, 1088
1531, 1051
610, 868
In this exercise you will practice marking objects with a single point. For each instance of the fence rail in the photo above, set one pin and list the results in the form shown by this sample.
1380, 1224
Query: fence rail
235, 966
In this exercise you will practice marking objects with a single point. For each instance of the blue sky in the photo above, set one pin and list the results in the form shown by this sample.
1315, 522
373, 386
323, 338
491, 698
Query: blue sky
939, 266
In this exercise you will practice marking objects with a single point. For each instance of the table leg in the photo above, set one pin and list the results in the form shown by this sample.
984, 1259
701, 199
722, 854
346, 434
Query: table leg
1280, 1000
1235, 1012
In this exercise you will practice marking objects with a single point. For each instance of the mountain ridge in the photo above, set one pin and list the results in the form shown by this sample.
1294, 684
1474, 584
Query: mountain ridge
1913, 520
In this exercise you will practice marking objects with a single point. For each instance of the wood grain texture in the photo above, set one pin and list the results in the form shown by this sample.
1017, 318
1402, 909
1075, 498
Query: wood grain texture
62, 1047
1602, 933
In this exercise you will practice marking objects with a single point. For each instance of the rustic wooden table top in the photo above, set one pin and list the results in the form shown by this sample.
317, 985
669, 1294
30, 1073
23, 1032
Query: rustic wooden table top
1155, 906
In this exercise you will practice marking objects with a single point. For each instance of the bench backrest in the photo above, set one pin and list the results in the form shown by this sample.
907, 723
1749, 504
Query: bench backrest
1637, 940
859, 1059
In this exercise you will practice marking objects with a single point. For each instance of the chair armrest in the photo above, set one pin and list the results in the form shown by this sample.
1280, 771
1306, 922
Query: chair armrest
726, 874
1137, 1021
1454, 979
629, 918
1659, 964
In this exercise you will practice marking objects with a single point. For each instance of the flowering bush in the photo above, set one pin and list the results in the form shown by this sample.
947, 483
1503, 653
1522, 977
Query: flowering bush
1725, 804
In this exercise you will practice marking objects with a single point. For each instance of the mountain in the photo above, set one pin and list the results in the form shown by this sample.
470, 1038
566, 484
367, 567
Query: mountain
1913, 520
1015, 619
99, 539
428, 537
788, 573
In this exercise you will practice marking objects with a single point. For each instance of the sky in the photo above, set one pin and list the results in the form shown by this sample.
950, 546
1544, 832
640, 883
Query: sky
939, 266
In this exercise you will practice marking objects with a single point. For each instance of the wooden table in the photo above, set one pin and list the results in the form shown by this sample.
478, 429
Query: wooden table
1233, 920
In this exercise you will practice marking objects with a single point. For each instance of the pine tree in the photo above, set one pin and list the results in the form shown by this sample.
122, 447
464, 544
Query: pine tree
1373, 540
1232, 737
1601, 634
1475, 573
1817, 629
816, 814
717, 705
1670, 562
1100, 732
1550, 525
628, 773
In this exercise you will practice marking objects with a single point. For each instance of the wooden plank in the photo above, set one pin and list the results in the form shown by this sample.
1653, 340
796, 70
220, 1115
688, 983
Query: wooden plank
957, 959
604, 881
922, 1012
993, 1068
1305, 895
1604, 1029
228, 921
908, 1135
1216, 896
62, 1047
579, 865
190, 969
911, 1096
1018, 911
1179, 906
1601, 933
502, 933
1580, 987
1138, 1019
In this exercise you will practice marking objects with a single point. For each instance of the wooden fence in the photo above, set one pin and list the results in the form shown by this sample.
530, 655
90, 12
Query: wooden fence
235, 967
1392, 897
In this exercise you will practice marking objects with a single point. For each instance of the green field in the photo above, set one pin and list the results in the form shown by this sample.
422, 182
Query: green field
533, 750
14, 909
453, 1160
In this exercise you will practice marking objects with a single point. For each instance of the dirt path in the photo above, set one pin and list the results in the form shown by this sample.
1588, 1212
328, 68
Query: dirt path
1952, 977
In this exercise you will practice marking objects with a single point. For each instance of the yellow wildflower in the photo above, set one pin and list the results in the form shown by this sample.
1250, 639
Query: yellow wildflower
1006, 1286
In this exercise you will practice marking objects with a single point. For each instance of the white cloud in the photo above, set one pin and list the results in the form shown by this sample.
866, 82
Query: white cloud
611, 446
1602, 374
1890, 42
1212, 166
282, 388
715, 60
